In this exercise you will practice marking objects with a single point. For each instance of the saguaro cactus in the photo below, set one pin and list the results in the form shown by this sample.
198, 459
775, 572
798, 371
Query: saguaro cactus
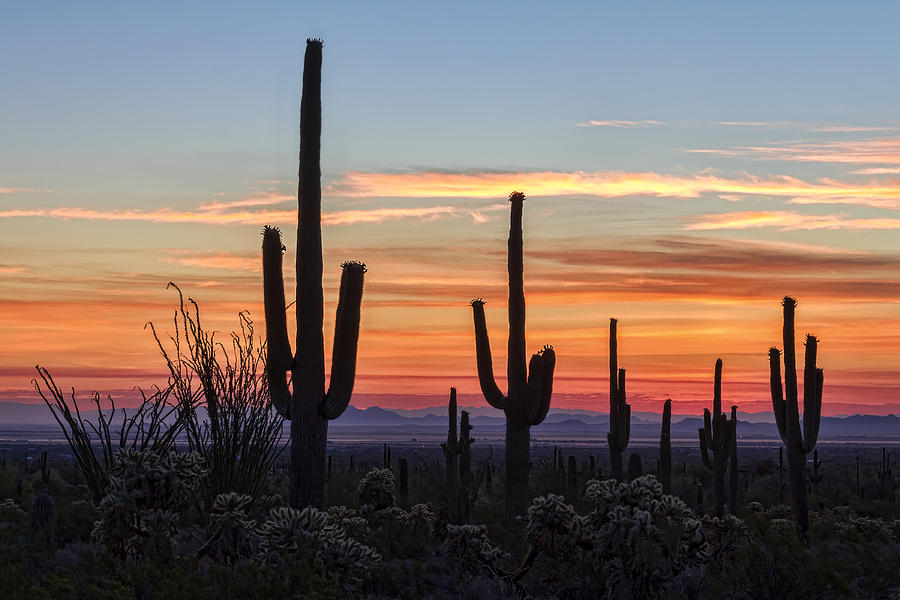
787, 412
451, 451
717, 435
528, 397
733, 499
619, 409
43, 510
665, 449
467, 485
307, 404
814, 473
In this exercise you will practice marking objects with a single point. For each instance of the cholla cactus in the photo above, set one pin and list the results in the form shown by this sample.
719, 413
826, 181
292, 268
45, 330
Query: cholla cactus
147, 492
468, 550
289, 535
230, 528
553, 527
376, 490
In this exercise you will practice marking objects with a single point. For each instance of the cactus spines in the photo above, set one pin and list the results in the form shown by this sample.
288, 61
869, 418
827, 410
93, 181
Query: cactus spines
619, 409
787, 413
635, 466
530, 386
308, 405
665, 448
717, 434
43, 510
451, 451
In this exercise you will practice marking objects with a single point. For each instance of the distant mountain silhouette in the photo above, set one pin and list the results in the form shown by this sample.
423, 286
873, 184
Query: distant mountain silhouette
17, 416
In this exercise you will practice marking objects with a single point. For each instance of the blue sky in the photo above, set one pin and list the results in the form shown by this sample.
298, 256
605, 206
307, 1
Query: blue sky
655, 136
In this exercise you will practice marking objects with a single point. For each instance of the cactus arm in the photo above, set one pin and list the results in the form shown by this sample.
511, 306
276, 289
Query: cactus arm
346, 341
707, 426
717, 389
516, 369
778, 404
812, 397
792, 412
704, 449
613, 369
489, 388
278, 348
667, 417
531, 407
310, 363
548, 364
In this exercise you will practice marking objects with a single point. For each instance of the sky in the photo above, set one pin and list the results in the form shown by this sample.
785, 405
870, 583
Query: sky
686, 166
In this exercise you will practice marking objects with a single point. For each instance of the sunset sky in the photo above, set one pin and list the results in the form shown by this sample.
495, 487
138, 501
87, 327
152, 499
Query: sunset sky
686, 166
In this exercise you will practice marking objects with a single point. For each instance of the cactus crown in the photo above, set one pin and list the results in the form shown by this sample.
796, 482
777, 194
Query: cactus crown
774, 352
517, 197
272, 234
354, 265
811, 338
315, 42
476, 301
789, 301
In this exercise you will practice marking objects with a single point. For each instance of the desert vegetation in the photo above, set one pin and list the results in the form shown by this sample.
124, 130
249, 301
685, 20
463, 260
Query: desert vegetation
194, 493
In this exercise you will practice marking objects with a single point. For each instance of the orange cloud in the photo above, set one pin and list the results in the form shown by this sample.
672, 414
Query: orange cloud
787, 220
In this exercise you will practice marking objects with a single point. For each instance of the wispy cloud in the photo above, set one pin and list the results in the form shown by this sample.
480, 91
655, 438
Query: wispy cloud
879, 151
614, 184
788, 220
263, 217
269, 198
816, 127
618, 123
878, 171
21, 190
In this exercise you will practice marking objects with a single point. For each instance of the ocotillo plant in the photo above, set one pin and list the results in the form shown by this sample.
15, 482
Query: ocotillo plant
528, 397
619, 409
665, 449
787, 412
733, 500
308, 405
717, 435
451, 451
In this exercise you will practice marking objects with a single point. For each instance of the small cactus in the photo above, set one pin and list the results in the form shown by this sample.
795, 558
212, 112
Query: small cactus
43, 510
665, 449
718, 435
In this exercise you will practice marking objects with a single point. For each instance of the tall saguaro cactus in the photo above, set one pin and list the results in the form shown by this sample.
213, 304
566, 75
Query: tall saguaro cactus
619, 409
787, 413
717, 434
665, 448
308, 406
529, 387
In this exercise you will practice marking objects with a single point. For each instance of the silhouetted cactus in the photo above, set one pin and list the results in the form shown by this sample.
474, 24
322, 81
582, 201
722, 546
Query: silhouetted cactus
528, 397
635, 466
572, 476
592, 466
467, 483
308, 406
403, 482
814, 473
619, 409
886, 477
43, 510
787, 412
733, 468
665, 448
387, 457
717, 434
451, 452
